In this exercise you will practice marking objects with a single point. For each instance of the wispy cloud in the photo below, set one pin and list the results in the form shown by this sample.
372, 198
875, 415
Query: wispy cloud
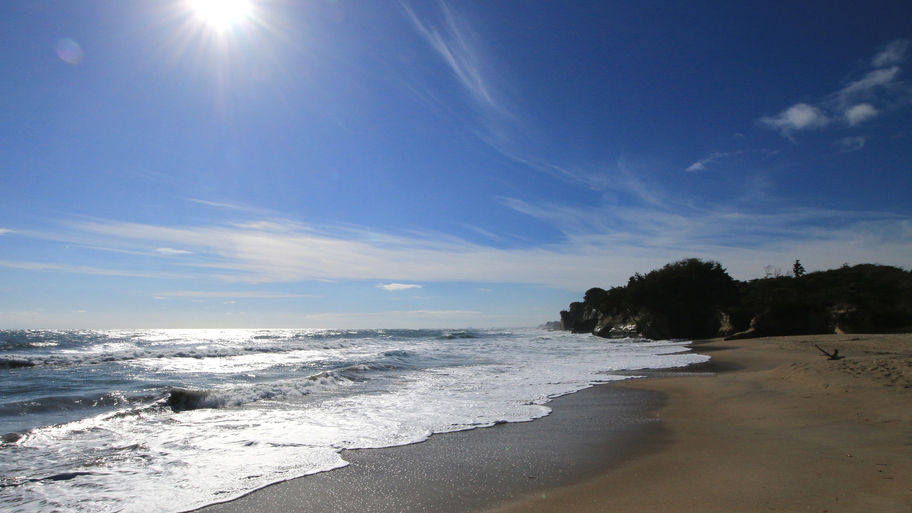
4, 231
452, 38
392, 287
80, 269
602, 244
230, 206
226, 294
454, 42
171, 251
849, 144
700, 165
893, 53
872, 81
486, 233
877, 92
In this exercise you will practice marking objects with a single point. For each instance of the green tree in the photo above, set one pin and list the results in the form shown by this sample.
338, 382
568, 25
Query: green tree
683, 299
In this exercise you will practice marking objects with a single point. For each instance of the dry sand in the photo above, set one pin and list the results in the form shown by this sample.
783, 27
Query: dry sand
789, 430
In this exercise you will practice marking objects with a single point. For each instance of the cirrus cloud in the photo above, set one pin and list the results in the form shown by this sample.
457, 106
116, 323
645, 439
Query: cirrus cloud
392, 287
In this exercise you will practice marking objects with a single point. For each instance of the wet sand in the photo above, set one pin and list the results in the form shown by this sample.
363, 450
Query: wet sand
473, 470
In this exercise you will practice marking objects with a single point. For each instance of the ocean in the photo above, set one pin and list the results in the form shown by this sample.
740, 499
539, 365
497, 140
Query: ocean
172, 420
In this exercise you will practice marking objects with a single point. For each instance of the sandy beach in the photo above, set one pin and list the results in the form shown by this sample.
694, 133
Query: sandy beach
776, 427
789, 431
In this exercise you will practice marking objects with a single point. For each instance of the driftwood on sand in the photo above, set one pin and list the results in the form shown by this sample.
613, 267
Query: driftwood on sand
830, 356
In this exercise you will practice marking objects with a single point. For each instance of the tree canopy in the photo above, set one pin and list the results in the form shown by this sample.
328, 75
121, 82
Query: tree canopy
694, 298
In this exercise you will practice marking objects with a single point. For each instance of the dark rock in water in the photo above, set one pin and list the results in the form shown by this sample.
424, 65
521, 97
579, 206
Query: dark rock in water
581, 318
551, 325
611, 330
183, 400
584, 326
603, 331
65, 476
11, 438
9, 363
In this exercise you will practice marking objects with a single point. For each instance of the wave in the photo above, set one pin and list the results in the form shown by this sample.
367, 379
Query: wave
15, 363
22, 350
183, 399
18, 361
458, 335
58, 403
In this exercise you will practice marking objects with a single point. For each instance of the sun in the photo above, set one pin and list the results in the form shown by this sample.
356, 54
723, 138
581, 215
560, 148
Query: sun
222, 14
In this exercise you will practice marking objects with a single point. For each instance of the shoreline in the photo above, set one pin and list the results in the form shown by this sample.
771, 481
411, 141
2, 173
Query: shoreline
768, 424
469, 471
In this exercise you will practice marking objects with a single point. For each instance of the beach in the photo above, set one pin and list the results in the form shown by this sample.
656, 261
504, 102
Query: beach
770, 425
789, 430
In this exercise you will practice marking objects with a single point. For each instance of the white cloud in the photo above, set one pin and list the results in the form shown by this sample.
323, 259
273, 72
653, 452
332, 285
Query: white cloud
505, 130
228, 206
170, 251
603, 244
453, 42
79, 269
398, 286
848, 144
482, 231
800, 116
701, 164
878, 91
871, 81
4, 232
894, 53
860, 113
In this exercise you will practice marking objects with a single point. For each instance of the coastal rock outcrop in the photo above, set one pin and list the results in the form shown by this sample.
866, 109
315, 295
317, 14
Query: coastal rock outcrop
697, 299
680, 300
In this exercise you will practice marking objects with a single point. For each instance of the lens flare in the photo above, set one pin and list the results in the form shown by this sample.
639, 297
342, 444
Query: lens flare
222, 14
69, 51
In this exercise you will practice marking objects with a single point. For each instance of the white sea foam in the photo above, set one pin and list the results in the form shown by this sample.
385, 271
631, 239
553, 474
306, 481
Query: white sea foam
266, 406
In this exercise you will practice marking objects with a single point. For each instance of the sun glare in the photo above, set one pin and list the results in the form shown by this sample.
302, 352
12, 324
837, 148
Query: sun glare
222, 14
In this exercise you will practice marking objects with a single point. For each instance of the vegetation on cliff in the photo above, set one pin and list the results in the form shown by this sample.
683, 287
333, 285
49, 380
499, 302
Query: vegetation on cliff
694, 298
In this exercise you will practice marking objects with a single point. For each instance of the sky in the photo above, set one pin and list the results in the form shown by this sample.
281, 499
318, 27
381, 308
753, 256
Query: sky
434, 164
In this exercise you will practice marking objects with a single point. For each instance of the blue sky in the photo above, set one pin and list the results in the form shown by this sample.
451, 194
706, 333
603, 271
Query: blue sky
385, 163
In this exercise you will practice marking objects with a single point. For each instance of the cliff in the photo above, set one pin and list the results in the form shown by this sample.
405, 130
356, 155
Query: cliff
693, 299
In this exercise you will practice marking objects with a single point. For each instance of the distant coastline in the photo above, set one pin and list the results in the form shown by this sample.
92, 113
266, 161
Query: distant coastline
696, 299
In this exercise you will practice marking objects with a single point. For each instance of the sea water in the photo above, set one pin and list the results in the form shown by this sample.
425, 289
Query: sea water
170, 420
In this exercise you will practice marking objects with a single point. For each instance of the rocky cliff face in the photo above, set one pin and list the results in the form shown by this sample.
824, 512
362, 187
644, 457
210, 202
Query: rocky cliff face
583, 318
580, 318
